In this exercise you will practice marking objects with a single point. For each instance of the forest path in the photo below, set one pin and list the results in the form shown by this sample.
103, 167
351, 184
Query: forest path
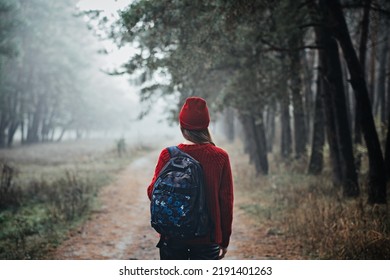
120, 229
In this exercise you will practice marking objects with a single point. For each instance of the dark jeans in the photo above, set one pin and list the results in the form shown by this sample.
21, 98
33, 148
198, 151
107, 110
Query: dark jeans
175, 251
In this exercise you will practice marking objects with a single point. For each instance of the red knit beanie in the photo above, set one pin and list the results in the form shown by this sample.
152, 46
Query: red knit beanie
194, 115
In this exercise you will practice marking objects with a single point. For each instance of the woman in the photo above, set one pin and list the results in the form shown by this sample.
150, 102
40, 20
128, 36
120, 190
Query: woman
194, 121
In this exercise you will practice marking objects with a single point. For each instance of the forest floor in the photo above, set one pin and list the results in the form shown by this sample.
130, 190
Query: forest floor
120, 228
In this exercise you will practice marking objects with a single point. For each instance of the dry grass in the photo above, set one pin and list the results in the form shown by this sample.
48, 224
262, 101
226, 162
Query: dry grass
48, 189
38, 215
312, 210
50, 161
332, 227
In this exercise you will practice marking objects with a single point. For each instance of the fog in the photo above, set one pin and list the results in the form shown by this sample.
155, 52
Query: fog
125, 105
56, 80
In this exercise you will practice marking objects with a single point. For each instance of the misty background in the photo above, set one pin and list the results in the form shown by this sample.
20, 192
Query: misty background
56, 63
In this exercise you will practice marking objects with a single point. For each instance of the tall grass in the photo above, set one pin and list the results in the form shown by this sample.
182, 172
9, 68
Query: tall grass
47, 190
313, 211
332, 227
35, 218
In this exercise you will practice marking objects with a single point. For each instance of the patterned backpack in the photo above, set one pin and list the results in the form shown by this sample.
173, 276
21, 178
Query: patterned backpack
178, 206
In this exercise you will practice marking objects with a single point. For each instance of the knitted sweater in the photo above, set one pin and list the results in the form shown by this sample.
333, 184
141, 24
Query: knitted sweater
219, 187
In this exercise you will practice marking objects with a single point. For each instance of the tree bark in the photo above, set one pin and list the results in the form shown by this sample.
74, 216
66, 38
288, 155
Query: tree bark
317, 158
381, 85
343, 134
362, 58
261, 144
256, 142
13, 127
229, 124
248, 138
331, 133
270, 128
387, 104
285, 119
387, 111
372, 76
63, 130
286, 137
387, 150
34, 123
308, 65
347, 94
339, 134
300, 132
377, 177
3, 126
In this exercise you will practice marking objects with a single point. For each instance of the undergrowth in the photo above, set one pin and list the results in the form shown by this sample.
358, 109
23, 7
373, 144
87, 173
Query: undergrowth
35, 218
313, 211
37, 212
332, 227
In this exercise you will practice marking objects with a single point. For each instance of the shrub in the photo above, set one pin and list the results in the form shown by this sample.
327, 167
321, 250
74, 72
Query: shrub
312, 210
334, 228
34, 218
9, 194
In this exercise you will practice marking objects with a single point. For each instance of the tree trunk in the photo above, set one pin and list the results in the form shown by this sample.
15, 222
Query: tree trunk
343, 134
387, 111
300, 136
331, 133
308, 65
336, 107
387, 104
270, 128
347, 95
2, 130
33, 128
381, 85
22, 132
229, 124
362, 57
377, 177
249, 141
364, 35
387, 150
256, 145
14, 111
286, 140
317, 159
13, 127
372, 76
261, 144
286, 137
63, 130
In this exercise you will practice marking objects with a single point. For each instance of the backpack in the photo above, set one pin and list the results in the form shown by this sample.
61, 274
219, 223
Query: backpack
178, 205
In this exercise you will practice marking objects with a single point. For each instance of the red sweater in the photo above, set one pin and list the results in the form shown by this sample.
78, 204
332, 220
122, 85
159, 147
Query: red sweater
219, 187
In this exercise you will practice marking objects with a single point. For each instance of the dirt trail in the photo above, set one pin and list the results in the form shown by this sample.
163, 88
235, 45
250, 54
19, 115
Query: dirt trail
121, 228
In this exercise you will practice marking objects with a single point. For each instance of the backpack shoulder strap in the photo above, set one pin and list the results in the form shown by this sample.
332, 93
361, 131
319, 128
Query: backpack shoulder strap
173, 151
